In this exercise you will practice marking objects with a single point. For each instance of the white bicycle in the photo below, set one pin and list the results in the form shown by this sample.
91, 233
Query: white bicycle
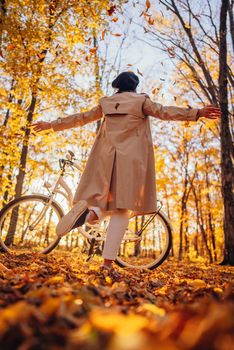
29, 223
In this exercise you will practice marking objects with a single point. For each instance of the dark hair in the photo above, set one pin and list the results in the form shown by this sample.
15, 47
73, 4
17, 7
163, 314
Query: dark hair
126, 81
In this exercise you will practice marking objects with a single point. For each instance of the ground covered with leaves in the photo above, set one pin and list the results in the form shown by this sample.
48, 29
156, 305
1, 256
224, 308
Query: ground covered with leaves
59, 302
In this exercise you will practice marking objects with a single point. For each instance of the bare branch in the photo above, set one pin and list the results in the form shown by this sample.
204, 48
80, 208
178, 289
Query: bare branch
211, 86
212, 22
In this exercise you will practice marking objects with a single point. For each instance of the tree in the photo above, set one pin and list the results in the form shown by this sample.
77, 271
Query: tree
227, 151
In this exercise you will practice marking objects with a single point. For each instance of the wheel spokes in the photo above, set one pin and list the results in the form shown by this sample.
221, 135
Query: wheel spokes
28, 224
150, 245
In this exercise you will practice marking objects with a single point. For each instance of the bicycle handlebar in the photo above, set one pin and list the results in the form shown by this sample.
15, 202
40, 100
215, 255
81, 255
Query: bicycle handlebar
71, 156
64, 162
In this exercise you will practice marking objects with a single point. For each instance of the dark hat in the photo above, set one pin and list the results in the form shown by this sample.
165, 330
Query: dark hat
126, 81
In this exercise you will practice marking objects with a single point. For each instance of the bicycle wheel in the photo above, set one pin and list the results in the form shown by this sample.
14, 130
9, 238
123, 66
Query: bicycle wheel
26, 225
149, 248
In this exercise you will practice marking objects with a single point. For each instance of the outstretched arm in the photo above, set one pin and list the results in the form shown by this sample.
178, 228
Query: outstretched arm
178, 113
72, 121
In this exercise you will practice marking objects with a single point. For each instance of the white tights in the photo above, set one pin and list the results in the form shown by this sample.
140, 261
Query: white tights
115, 231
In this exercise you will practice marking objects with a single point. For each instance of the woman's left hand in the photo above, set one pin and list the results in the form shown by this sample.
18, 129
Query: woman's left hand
210, 112
41, 126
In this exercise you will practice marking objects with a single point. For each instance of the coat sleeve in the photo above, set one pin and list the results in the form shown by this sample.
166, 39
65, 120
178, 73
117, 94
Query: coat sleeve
77, 119
169, 112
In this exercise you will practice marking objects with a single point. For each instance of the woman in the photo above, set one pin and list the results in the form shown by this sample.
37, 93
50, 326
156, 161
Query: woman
119, 177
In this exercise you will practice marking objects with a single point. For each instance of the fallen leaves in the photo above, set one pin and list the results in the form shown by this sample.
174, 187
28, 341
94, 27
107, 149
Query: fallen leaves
3, 268
59, 301
116, 322
55, 280
11, 47
196, 284
152, 308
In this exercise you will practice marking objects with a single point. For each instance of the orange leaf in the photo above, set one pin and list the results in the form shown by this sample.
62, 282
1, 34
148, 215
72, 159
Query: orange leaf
151, 21
154, 91
41, 55
147, 4
139, 72
103, 34
111, 10
171, 52
115, 19
93, 50
89, 40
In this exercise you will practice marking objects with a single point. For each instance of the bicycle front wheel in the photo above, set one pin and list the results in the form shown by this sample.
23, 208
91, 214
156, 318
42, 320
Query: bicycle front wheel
147, 242
29, 223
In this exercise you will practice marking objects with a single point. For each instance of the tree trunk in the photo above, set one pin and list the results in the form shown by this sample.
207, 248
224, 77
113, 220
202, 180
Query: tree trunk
6, 193
183, 206
186, 235
227, 170
169, 216
97, 75
210, 219
6, 119
201, 224
20, 177
137, 246
183, 210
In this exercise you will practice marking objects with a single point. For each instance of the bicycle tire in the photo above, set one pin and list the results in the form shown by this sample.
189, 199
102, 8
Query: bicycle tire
158, 262
13, 203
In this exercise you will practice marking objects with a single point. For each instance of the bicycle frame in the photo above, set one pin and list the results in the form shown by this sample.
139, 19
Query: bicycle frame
67, 194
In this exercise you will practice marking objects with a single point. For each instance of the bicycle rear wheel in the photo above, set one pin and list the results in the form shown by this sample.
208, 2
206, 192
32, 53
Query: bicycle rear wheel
22, 227
149, 248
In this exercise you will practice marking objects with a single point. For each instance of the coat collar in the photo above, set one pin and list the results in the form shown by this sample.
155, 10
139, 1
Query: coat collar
127, 102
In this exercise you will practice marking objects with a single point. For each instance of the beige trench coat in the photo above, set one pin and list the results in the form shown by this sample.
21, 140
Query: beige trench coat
120, 171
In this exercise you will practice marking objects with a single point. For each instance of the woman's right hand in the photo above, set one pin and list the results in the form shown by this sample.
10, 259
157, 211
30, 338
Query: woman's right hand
41, 126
